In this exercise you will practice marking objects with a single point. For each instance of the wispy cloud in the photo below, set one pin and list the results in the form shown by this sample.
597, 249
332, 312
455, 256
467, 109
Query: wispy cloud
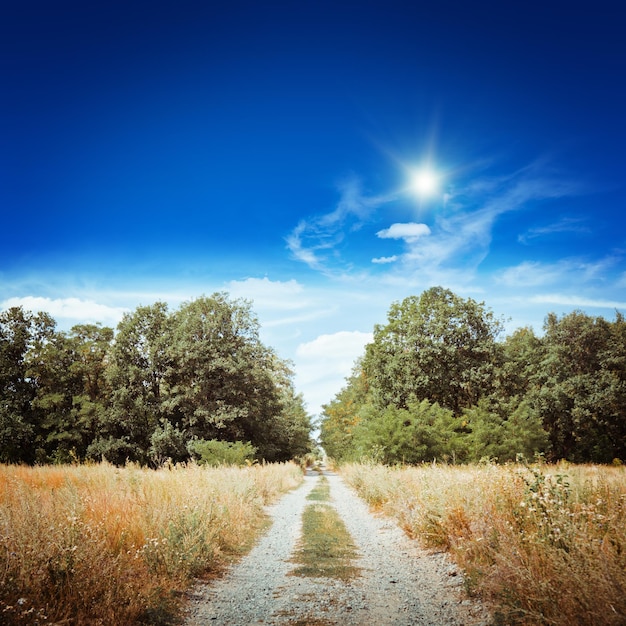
314, 239
571, 271
564, 225
578, 301
461, 234
449, 241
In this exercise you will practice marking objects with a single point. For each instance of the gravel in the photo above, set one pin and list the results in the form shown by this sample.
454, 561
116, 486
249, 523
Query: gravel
400, 583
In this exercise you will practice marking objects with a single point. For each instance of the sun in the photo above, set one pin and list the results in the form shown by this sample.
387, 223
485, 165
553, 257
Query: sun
424, 182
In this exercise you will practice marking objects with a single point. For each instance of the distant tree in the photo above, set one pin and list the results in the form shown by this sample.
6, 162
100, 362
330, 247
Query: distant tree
437, 347
341, 416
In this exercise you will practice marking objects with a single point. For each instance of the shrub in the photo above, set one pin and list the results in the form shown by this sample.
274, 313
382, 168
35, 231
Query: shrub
214, 452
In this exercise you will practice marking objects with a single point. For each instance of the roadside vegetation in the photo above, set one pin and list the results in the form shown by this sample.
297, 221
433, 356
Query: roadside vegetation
544, 544
99, 545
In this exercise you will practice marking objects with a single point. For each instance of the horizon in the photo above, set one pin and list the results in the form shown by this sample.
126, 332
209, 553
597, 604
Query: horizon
154, 152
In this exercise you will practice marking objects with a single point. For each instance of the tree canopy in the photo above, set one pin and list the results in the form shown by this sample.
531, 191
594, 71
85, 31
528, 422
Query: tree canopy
156, 389
438, 382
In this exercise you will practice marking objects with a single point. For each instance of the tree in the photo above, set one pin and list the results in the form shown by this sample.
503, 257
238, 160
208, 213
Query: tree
19, 331
219, 378
438, 347
580, 387
421, 432
512, 430
137, 363
341, 416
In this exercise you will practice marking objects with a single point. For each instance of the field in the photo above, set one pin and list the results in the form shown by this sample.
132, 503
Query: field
542, 544
99, 545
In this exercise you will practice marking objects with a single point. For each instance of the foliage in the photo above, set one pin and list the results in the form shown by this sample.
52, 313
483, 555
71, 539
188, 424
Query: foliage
421, 432
214, 452
580, 387
562, 395
438, 347
514, 432
142, 394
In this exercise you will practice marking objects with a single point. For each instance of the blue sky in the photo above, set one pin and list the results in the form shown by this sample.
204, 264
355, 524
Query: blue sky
165, 150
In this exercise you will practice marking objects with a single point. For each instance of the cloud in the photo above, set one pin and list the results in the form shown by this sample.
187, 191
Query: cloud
577, 301
573, 271
410, 232
532, 274
323, 364
269, 294
564, 225
461, 234
68, 308
316, 238
385, 259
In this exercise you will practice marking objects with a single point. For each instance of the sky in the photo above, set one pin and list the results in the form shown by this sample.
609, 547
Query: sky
161, 151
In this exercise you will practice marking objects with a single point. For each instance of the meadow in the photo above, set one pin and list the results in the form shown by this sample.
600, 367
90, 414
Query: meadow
100, 545
542, 544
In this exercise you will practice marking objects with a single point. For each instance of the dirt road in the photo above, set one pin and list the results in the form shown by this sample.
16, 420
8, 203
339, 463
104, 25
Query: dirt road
394, 581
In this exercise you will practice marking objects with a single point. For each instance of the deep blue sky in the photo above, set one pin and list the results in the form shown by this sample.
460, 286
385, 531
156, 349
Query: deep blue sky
162, 150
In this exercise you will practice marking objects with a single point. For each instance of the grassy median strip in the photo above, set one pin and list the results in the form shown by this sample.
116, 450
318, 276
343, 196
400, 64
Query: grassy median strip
326, 548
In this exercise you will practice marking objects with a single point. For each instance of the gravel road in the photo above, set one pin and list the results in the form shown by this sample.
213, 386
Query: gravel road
400, 584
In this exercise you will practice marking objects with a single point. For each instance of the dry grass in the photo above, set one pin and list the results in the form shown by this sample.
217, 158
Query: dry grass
100, 545
544, 544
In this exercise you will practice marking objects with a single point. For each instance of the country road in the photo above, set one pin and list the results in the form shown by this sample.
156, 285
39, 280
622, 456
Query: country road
396, 582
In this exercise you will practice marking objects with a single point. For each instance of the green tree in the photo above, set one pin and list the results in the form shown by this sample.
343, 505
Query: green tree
438, 347
504, 434
219, 379
421, 432
580, 389
136, 367
341, 416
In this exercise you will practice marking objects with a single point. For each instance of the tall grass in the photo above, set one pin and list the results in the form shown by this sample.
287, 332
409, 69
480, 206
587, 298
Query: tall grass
544, 544
98, 545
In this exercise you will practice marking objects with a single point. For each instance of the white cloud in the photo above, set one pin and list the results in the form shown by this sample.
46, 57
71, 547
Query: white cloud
323, 364
577, 301
385, 259
410, 232
68, 308
531, 274
571, 270
269, 294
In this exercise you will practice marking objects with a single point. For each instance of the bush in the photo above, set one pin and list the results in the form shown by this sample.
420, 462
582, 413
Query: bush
215, 452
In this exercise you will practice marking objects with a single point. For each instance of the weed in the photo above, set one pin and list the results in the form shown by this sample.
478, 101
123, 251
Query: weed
102, 545
545, 544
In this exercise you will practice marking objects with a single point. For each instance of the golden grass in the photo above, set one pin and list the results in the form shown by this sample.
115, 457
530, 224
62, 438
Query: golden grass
544, 544
99, 545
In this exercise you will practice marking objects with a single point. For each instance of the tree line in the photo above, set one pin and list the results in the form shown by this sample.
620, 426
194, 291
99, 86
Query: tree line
164, 385
439, 382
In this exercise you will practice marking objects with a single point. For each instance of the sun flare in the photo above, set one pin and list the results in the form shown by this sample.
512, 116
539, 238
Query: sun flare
424, 182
